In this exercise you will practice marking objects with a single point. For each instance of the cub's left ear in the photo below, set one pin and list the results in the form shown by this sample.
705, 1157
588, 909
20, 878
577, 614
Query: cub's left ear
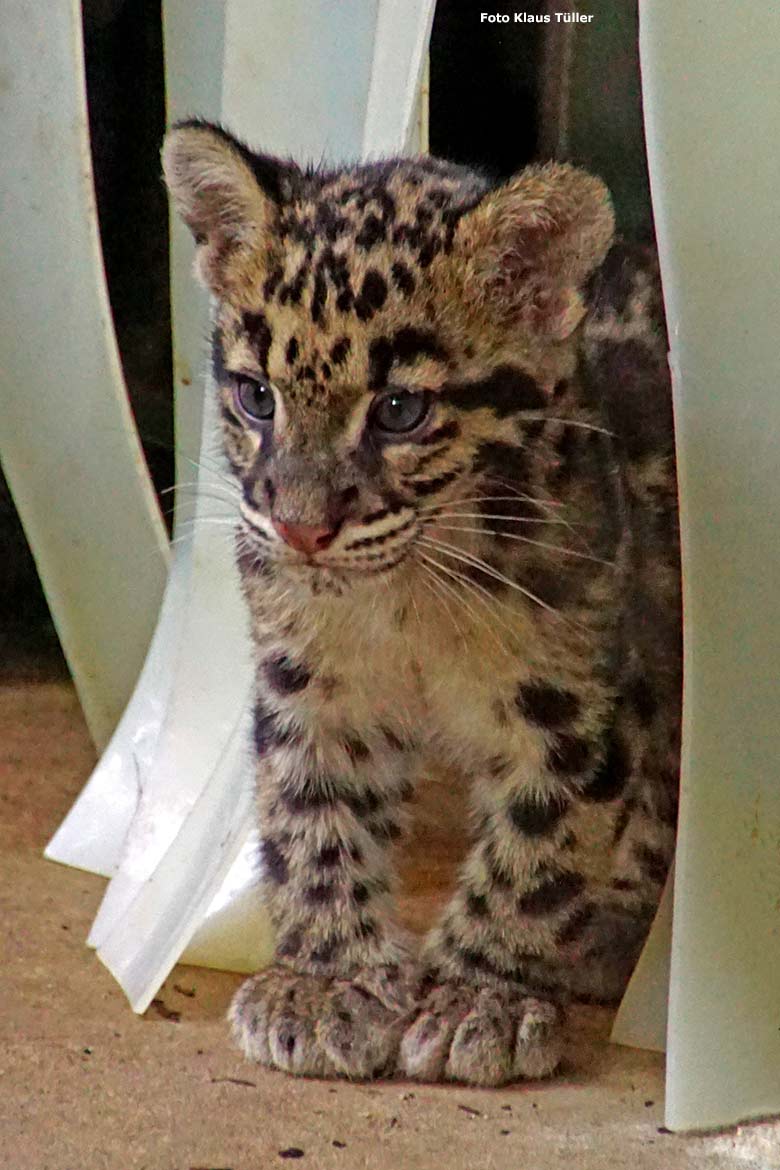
530, 245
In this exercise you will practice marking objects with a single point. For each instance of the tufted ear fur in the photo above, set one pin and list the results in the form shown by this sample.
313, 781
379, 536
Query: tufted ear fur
530, 244
228, 196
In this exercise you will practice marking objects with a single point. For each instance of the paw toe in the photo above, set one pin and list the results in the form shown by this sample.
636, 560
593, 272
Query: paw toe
358, 1033
482, 1048
426, 1044
539, 1039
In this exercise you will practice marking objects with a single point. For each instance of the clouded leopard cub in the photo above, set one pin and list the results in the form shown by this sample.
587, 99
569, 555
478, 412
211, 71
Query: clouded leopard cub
447, 409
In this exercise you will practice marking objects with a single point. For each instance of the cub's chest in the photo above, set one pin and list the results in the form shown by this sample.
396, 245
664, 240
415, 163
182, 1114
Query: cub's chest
411, 657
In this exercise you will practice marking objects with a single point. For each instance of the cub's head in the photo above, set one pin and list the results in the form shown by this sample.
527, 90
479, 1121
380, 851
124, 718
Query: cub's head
380, 331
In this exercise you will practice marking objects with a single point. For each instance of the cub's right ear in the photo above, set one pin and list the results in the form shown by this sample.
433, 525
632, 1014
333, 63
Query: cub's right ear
228, 196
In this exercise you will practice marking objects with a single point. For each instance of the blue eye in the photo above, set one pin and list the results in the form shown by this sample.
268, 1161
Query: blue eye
255, 398
399, 411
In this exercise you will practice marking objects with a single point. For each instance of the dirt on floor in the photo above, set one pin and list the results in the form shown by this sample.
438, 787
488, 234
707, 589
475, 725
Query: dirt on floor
87, 1085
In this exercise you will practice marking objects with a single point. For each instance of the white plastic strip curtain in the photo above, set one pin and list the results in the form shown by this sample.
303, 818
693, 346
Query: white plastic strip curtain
167, 813
712, 110
68, 445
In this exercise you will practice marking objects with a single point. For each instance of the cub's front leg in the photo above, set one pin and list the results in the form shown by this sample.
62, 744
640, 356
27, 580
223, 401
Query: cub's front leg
539, 914
330, 800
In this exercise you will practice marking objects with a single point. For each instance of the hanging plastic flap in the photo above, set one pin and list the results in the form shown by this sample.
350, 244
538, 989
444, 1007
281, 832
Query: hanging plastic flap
211, 685
94, 832
641, 1020
156, 928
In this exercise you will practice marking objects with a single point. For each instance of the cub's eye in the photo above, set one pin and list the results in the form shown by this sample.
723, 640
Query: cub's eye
399, 411
255, 398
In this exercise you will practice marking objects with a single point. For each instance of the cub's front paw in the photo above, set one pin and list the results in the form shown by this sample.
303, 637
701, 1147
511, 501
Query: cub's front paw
481, 1036
310, 1025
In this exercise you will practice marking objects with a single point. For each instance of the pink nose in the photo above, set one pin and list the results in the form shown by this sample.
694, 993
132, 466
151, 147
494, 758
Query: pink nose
304, 537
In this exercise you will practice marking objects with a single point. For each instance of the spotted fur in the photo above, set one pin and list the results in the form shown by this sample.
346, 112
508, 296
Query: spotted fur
494, 589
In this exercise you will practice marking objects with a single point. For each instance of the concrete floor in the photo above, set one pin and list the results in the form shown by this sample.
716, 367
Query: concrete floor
86, 1085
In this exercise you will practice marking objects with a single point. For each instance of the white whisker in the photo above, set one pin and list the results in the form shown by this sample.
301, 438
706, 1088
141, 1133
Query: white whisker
482, 595
568, 552
441, 587
488, 570
495, 516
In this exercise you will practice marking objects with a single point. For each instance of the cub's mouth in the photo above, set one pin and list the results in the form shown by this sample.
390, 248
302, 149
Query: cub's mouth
352, 553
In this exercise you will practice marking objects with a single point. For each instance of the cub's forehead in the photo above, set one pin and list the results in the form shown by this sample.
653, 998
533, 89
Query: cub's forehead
343, 293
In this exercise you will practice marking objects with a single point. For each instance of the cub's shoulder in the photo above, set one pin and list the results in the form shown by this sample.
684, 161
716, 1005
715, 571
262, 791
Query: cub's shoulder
625, 350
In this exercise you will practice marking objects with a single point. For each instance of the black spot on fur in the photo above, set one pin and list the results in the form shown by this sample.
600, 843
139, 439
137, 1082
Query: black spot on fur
385, 830
356, 749
309, 797
362, 804
621, 822
567, 449
344, 300
319, 895
507, 465
373, 517
340, 350
291, 292
373, 294
477, 960
318, 297
259, 335
266, 729
409, 344
553, 892
428, 251
402, 278
326, 951
503, 460
371, 233
427, 487
380, 359
329, 223
251, 563
448, 430
272, 283
533, 429
641, 699
547, 706
405, 346
289, 946
291, 355
537, 816
410, 235
636, 397
507, 390
393, 740
575, 926
285, 676
499, 767
477, 905
612, 284
612, 774
550, 587
652, 863
568, 755
274, 861
328, 856
360, 893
